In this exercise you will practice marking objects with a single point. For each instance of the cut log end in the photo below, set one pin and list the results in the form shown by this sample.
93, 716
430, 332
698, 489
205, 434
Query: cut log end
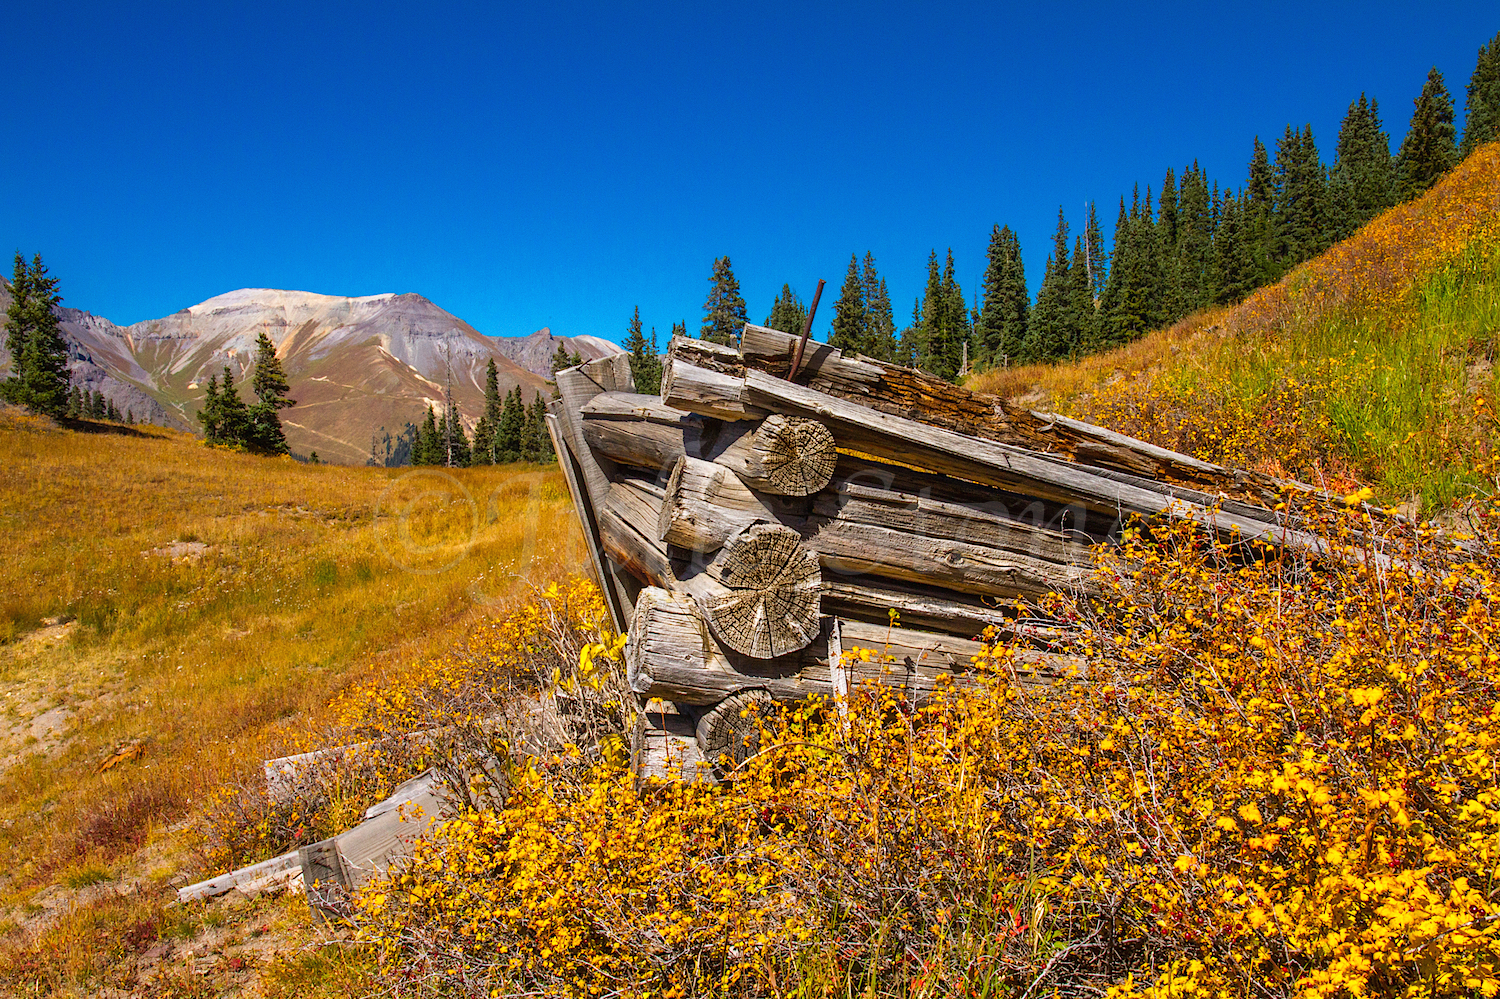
769, 604
729, 732
798, 455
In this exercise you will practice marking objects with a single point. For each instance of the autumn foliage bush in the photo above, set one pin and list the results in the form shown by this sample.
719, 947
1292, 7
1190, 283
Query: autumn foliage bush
1273, 775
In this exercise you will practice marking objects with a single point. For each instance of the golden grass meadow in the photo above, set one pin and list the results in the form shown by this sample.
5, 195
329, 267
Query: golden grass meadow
1273, 775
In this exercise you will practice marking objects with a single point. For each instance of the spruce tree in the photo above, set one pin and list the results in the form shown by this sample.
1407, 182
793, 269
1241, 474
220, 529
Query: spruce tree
1361, 183
851, 320
1430, 148
75, 402
426, 449
1300, 215
1050, 332
958, 331
97, 408
233, 416
541, 451
452, 442
1234, 267
270, 387
645, 363
112, 412
562, 359
678, 329
1482, 100
1083, 332
880, 341
1000, 331
510, 435
210, 414
1195, 232
909, 347
724, 309
788, 314
483, 452
1096, 258
39, 377
1259, 202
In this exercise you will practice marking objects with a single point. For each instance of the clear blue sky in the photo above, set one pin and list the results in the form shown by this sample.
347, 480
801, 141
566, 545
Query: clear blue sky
556, 166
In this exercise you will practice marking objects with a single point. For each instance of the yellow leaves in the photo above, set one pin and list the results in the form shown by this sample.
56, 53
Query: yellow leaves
1250, 813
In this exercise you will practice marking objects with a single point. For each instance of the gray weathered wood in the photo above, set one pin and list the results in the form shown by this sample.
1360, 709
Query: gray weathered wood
672, 655
767, 603
225, 882
628, 525
785, 455
729, 732
708, 393
705, 504
588, 518
666, 747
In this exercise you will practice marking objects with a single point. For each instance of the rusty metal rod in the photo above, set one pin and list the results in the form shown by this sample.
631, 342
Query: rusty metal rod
806, 332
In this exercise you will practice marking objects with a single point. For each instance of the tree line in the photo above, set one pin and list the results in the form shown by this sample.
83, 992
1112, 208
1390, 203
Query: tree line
1195, 244
508, 430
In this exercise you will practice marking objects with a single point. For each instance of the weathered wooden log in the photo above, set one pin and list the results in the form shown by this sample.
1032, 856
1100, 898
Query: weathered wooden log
906, 392
672, 655
987, 462
781, 455
613, 588
729, 732
627, 524
860, 530
704, 391
705, 504
576, 387
766, 604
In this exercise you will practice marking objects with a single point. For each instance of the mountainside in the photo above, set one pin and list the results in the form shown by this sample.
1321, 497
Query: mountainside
355, 364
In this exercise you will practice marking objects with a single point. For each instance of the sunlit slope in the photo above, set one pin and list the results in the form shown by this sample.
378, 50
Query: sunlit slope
1374, 363
200, 601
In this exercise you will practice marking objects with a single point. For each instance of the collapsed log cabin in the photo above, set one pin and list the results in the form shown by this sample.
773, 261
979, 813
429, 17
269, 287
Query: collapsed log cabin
749, 530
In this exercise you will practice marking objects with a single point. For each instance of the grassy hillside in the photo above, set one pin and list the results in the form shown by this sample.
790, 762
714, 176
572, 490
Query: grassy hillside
1372, 363
205, 606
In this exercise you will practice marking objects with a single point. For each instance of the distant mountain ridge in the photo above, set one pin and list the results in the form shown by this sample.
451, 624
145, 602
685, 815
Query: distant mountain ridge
355, 364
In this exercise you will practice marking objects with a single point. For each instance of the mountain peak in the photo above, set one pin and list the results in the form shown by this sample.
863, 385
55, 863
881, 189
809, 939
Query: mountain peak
275, 298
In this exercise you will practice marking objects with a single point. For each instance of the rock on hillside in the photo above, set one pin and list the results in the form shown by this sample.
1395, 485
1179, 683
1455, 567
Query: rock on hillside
535, 352
355, 364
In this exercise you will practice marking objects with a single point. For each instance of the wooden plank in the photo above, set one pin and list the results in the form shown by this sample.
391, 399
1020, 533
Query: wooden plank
668, 748
587, 517
226, 882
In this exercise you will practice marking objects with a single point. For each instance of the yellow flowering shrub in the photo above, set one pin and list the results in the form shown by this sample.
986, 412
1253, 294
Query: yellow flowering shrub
1274, 776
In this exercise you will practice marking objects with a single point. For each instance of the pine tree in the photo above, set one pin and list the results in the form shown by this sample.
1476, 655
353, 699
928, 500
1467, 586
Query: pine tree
1234, 267
39, 355
270, 387
1259, 231
112, 412
1299, 217
426, 446
510, 437
678, 329
1132, 299
452, 442
1083, 332
210, 414
563, 359
645, 363
1000, 330
909, 348
541, 449
130, 417
75, 402
1050, 332
484, 431
1096, 258
1430, 148
958, 331
1195, 232
1482, 100
1166, 243
851, 319
724, 309
880, 342
788, 314
230, 414
1361, 183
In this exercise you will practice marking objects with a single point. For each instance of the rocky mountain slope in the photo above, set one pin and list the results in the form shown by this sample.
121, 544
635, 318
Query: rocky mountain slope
355, 364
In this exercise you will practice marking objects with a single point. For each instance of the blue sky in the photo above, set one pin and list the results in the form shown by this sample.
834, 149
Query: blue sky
546, 165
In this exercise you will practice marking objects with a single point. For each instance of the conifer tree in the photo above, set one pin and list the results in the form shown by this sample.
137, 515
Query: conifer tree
678, 329
483, 452
111, 412
1132, 298
1234, 268
788, 314
75, 402
564, 359
1050, 332
1195, 233
724, 309
453, 444
880, 342
426, 448
229, 416
1258, 230
909, 347
957, 331
270, 387
1096, 258
1299, 215
1361, 183
1166, 243
645, 363
851, 320
1430, 148
1000, 331
1083, 333
541, 451
39, 355
1482, 100
130, 417
210, 414
510, 437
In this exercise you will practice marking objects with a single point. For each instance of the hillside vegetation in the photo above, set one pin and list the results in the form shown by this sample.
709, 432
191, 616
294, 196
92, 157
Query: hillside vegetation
1372, 363
194, 611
